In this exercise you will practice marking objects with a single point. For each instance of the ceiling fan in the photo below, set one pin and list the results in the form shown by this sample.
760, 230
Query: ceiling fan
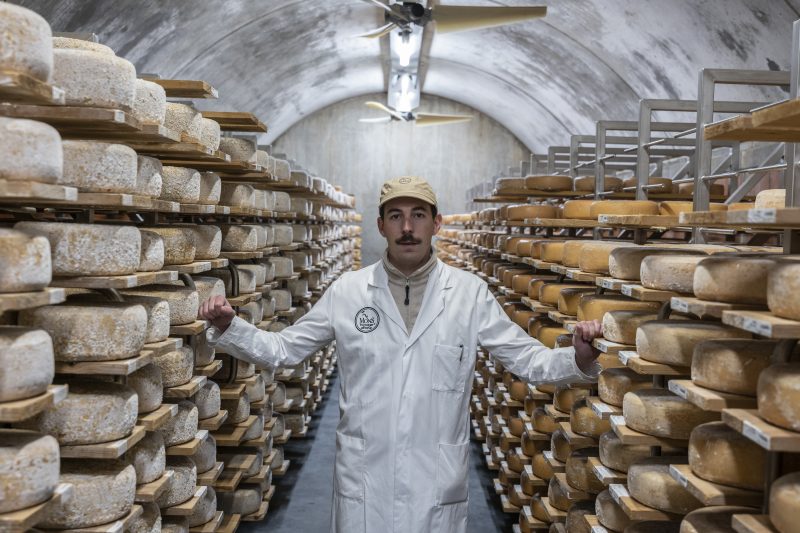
450, 19
419, 119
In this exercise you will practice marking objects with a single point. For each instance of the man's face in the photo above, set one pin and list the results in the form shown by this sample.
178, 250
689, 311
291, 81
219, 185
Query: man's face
408, 226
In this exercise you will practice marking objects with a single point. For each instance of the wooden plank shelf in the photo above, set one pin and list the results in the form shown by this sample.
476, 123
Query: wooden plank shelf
156, 419
241, 463
181, 392
161, 347
553, 515
210, 477
233, 435
192, 268
258, 515
611, 284
218, 263
644, 294
17, 301
18, 87
762, 323
283, 439
639, 221
230, 523
610, 347
536, 306
747, 523
241, 256
260, 477
186, 88
149, 492
594, 524
118, 526
212, 526
582, 277
631, 436
575, 439
260, 442
228, 480
602, 409
703, 309
637, 511
571, 492
560, 318
231, 391
106, 201
25, 519
19, 410
197, 209
281, 471
122, 367
710, 400
556, 465
762, 218
559, 269
607, 476
188, 507
244, 299
189, 448
105, 450
561, 223
714, 493
116, 282
771, 438
742, 128
784, 114
208, 370
632, 360
236, 121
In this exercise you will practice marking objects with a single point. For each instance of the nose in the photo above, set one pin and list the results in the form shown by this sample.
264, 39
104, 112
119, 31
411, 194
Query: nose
407, 225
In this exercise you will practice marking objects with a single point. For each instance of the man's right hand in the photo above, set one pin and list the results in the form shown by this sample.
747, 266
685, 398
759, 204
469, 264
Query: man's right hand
218, 311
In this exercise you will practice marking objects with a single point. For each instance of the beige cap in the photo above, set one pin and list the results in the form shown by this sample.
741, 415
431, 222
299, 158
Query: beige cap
407, 187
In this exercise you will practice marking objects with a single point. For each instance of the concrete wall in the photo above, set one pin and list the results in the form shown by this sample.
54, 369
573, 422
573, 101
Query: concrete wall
360, 157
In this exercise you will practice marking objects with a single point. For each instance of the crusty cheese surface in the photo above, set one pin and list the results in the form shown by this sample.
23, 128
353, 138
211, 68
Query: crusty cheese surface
240, 238
207, 400
609, 513
149, 387
579, 471
158, 320
623, 207
176, 366
81, 44
93, 166
27, 265
239, 149
183, 426
179, 117
733, 279
148, 458
731, 365
661, 413
782, 286
521, 212
621, 326
669, 272
550, 292
594, 256
207, 241
673, 342
179, 246
180, 184
29, 468
205, 509
152, 253
595, 306
784, 502
183, 302
150, 103
549, 183
27, 42
720, 454
206, 456
26, 357
584, 421
183, 483
237, 195
779, 395
207, 131
614, 383
578, 209
210, 188
94, 79
650, 483
626, 263
29, 150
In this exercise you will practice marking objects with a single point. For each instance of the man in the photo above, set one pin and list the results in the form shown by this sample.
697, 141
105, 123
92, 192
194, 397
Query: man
407, 330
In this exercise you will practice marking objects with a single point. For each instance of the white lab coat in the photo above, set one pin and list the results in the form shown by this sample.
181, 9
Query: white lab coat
402, 443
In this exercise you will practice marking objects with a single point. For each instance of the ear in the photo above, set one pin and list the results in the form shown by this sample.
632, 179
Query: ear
437, 223
380, 227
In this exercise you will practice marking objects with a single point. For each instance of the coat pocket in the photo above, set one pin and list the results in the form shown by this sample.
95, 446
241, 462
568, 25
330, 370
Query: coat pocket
447, 363
452, 468
349, 467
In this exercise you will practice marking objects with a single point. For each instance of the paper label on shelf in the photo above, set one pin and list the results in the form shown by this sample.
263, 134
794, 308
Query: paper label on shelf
626, 355
600, 408
618, 492
598, 529
607, 283
618, 420
627, 290
548, 455
753, 433
763, 216
679, 305
603, 472
678, 389
755, 326
678, 475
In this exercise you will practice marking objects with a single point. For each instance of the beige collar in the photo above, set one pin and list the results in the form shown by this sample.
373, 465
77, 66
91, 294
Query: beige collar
421, 273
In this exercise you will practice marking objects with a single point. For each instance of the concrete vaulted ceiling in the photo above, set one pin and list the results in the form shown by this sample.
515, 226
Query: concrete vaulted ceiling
543, 80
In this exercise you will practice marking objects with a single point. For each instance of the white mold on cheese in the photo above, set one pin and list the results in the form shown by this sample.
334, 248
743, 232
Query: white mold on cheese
94, 79
29, 150
27, 42
29, 468
25, 264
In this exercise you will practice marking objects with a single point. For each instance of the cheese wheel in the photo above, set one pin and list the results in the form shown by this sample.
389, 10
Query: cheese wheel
91, 331
238, 409
572, 252
103, 492
253, 312
27, 43
548, 335
26, 357
587, 183
618, 456
609, 513
594, 256
68, 43
175, 525
149, 521
257, 271
614, 383
579, 471
239, 238
179, 184
715, 519
672, 342
521, 212
541, 467
665, 185
301, 206
626, 263
715, 189
283, 202
509, 183
208, 287
207, 131
237, 195
781, 288
183, 426
771, 198
550, 292
661, 413
623, 207
158, 316
670, 272
247, 280
205, 510
575, 522
261, 199
207, 400
179, 117
569, 300
552, 252
207, 240
92, 412
595, 306
584, 421
29, 150
176, 366
549, 183
206, 457
182, 485
149, 387
731, 365
650, 483
149, 458
578, 209
720, 454
256, 431
179, 246
26, 266
621, 326
784, 496
29, 467
543, 422
520, 282
239, 149
565, 397
733, 279
94, 79
183, 302
779, 395
150, 103
153, 253
88, 249
561, 446
242, 501
676, 208
210, 188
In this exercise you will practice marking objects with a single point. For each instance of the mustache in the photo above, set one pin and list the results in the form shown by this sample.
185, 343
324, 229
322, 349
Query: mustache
407, 239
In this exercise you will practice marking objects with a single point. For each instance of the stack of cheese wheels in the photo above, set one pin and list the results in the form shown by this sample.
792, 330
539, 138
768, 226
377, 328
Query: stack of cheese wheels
28, 46
30, 151
29, 468
150, 103
622, 207
503, 184
94, 78
661, 185
549, 183
672, 342
587, 183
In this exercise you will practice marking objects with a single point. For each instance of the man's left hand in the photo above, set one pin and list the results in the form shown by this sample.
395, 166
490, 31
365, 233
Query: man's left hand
585, 353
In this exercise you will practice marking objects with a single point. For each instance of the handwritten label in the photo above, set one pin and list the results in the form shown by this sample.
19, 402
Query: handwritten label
618, 420
677, 474
625, 356
679, 305
603, 472
762, 216
761, 328
601, 407
756, 435
627, 290
618, 492
548, 455
678, 389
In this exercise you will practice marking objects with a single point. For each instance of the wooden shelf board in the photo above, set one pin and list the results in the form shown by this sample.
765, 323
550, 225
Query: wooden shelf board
602, 409
192, 268
611, 284
18, 87
186, 390
116, 282
639, 221
607, 476
209, 370
236, 121
188, 507
24, 519
747, 523
258, 515
631, 436
197, 209
191, 447
230, 523
561, 223
646, 295
118, 526
704, 309
231, 391
710, 400
611, 347
553, 514
18, 301
123, 367
762, 323
19, 410
149, 492
209, 478
161, 347
195, 328
242, 462
156, 419
713, 493
283, 439
741, 128
218, 263
574, 439
582, 277
771, 438
632, 360
241, 256
571, 492
635, 510
186, 88
560, 318
105, 450
781, 115
212, 526
228, 481
245, 299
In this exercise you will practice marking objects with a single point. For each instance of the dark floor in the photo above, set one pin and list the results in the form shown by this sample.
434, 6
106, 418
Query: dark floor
302, 501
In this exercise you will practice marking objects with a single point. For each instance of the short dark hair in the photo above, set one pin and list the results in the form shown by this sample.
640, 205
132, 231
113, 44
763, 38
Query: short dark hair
434, 210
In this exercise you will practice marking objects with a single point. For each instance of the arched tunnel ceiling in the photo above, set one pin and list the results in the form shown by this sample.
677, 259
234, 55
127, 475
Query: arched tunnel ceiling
543, 80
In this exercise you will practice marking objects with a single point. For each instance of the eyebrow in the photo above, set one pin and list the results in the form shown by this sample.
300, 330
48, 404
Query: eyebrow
397, 210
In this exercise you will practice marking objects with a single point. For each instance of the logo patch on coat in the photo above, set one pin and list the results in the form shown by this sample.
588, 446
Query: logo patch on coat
367, 320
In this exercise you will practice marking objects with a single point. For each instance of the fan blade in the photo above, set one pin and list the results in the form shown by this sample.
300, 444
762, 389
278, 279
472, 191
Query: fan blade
380, 107
379, 120
379, 32
451, 19
380, 5
431, 119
